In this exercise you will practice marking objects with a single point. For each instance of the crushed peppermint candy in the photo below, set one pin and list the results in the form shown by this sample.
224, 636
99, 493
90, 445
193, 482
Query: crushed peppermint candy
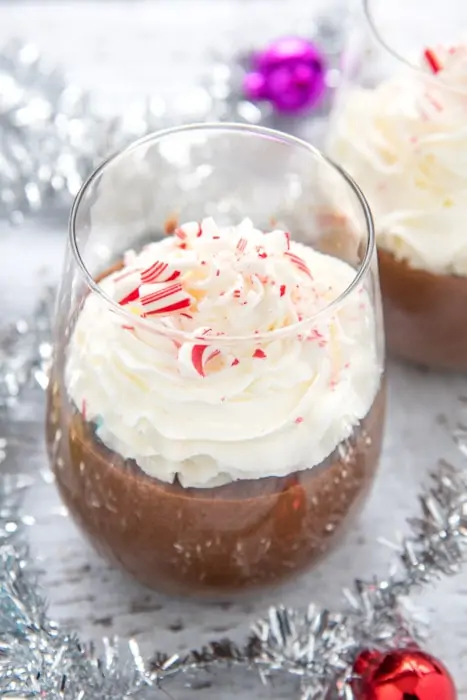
203, 280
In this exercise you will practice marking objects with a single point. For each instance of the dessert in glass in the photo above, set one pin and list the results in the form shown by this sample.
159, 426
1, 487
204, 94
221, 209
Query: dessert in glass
399, 129
216, 403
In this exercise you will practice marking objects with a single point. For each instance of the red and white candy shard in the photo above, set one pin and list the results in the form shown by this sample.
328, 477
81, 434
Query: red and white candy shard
300, 264
201, 355
277, 241
159, 272
191, 229
127, 285
195, 357
241, 245
164, 298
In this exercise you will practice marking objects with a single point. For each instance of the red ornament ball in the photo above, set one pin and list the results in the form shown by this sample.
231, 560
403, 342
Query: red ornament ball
401, 674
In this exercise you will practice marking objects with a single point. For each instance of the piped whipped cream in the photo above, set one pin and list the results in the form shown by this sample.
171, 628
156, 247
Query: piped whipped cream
405, 143
170, 384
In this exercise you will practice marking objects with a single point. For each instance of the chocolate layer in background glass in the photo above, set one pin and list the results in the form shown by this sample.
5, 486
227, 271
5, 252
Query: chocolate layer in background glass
425, 314
206, 542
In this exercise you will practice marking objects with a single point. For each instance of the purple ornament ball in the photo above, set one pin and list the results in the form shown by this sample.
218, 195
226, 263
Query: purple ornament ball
289, 73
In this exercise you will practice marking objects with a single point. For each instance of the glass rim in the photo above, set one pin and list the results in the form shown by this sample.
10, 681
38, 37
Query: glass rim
418, 70
160, 328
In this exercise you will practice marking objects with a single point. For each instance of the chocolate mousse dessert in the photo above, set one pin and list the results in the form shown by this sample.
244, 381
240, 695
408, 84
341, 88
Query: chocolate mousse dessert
217, 416
404, 141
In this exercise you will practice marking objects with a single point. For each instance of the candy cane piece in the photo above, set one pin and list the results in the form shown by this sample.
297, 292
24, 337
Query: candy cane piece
432, 60
158, 299
198, 359
300, 263
241, 245
159, 272
277, 241
127, 286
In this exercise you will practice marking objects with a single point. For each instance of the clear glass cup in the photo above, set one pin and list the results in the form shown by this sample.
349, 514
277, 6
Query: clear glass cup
399, 129
236, 469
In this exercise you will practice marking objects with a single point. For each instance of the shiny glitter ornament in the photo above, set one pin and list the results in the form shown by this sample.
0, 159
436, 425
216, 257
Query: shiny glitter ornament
402, 674
289, 73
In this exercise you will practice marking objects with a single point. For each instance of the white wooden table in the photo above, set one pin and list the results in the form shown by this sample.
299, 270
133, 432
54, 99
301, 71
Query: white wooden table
120, 49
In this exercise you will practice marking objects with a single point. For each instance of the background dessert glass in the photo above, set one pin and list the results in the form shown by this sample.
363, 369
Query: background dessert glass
399, 129
242, 472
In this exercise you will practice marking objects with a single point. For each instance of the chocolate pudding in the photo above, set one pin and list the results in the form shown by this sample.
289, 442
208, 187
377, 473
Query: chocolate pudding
205, 434
212, 541
425, 314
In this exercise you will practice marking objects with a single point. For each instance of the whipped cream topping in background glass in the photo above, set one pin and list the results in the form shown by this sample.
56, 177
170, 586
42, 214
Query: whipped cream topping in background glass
218, 371
405, 143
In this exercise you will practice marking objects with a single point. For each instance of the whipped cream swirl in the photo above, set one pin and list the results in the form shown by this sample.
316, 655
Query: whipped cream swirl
405, 143
207, 377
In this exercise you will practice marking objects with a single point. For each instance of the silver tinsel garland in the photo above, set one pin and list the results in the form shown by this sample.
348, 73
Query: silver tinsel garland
316, 646
52, 135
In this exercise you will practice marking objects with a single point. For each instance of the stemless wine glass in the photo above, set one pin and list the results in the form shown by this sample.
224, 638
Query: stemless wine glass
399, 128
209, 458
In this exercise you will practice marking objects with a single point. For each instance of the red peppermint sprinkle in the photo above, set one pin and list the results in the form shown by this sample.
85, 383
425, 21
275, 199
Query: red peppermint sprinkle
127, 286
236, 293
132, 296
186, 315
282, 289
315, 335
200, 231
159, 272
198, 360
163, 299
299, 420
280, 241
180, 233
260, 354
432, 61
262, 255
241, 245
128, 328
236, 361
300, 263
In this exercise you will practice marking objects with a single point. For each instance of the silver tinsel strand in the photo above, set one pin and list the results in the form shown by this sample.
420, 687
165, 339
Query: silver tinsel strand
316, 646
52, 134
